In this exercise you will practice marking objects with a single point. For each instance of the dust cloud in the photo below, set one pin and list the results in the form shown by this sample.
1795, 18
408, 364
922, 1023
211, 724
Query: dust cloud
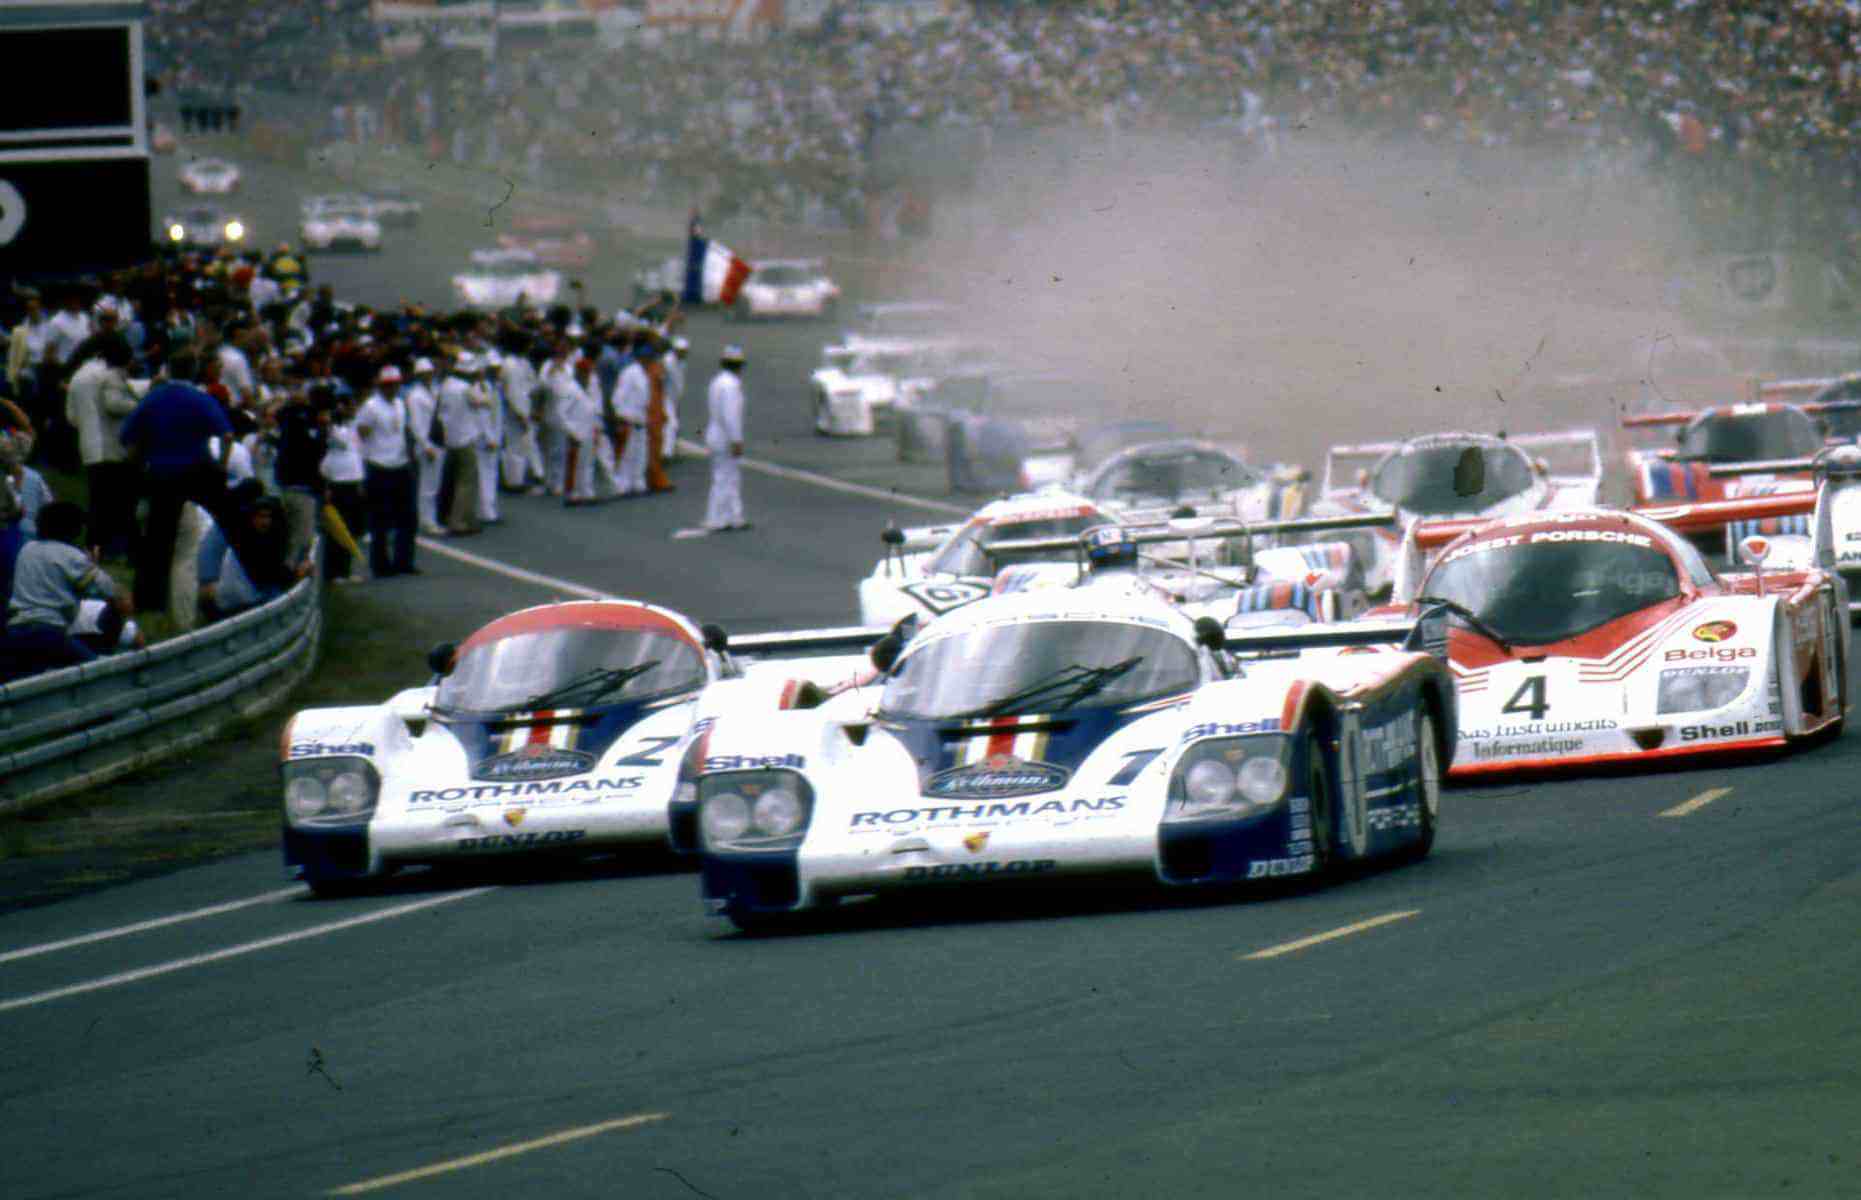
1337, 293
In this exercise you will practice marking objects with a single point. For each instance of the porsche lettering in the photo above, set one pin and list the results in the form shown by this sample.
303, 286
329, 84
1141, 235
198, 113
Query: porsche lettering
1593, 535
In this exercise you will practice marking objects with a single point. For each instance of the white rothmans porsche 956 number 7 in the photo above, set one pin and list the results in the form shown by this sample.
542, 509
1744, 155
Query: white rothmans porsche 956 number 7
1057, 735
558, 729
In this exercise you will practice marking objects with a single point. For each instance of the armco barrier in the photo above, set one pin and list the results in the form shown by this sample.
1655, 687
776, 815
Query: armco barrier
68, 730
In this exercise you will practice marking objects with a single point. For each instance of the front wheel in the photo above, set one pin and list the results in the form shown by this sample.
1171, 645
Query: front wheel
1427, 786
1318, 789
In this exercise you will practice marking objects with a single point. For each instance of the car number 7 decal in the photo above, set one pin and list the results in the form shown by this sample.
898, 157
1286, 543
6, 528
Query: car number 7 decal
648, 757
1134, 764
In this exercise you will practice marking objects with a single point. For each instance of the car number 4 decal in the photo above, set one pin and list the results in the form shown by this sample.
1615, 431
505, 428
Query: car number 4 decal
1529, 699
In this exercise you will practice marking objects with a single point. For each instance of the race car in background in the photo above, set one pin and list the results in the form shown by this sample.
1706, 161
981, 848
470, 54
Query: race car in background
1155, 479
556, 241
1738, 433
787, 287
1454, 475
500, 278
1033, 540
1596, 637
559, 729
335, 225
392, 206
1059, 737
204, 227
209, 177
1828, 538
863, 377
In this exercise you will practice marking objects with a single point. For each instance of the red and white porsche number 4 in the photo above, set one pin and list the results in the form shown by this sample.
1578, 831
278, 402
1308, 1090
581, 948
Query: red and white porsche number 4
1591, 637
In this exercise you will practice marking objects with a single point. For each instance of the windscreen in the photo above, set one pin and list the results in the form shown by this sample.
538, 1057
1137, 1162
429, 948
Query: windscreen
1039, 667
1539, 591
1446, 479
1167, 477
963, 555
1749, 437
783, 276
570, 668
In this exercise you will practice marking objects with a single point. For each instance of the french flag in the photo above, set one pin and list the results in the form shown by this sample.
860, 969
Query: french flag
713, 274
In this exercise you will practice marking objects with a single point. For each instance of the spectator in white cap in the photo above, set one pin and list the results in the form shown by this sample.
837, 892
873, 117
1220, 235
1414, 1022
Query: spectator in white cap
391, 483
488, 403
723, 437
458, 420
428, 450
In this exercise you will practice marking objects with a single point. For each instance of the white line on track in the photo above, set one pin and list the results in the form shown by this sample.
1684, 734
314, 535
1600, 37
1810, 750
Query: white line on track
104, 935
831, 484
212, 956
1332, 934
490, 1156
509, 572
1696, 803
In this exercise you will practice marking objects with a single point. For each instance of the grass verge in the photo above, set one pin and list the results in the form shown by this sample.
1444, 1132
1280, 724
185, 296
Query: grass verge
218, 800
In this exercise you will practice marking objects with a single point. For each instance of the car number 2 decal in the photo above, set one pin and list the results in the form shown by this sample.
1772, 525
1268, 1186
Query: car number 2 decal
648, 757
940, 598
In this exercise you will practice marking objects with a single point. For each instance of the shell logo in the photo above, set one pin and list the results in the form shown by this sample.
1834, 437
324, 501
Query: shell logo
1715, 631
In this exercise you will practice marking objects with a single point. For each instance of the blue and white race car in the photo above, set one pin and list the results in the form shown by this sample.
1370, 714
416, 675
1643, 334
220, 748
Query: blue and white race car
1058, 735
558, 729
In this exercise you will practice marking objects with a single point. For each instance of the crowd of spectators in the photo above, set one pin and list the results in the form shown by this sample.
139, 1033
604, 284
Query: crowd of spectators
224, 410
810, 123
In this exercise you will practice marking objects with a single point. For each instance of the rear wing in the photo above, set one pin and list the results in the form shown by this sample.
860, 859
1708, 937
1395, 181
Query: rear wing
1206, 529
1652, 420
1786, 389
1337, 458
1708, 515
1277, 642
1840, 462
1572, 454
800, 643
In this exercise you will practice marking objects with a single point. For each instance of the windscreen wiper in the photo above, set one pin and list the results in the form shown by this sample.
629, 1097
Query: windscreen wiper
1077, 682
1466, 614
602, 679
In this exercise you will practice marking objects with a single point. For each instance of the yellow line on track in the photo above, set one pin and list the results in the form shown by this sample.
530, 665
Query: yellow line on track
502, 1152
1696, 803
1332, 935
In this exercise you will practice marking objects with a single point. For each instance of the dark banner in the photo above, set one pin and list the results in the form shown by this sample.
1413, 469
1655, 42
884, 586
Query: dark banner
64, 216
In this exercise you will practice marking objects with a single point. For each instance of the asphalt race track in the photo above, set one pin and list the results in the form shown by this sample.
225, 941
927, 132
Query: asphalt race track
1630, 986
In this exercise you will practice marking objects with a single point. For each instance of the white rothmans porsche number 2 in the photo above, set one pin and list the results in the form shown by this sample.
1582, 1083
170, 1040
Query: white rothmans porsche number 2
558, 729
1059, 735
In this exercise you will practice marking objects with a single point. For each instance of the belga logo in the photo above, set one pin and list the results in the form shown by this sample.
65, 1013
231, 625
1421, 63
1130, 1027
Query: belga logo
1715, 631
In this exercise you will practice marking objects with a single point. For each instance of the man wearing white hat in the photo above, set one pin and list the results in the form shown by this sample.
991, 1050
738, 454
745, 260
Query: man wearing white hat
723, 437
389, 482
429, 455
458, 419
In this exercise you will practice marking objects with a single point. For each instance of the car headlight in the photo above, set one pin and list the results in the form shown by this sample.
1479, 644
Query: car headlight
1228, 778
754, 810
1693, 689
234, 231
176, 233
332, 790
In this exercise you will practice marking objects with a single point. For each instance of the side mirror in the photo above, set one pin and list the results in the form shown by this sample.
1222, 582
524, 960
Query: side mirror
440, 657
715, 639
1754, 549
885, 652
1470, 472
893, 536
1210, 634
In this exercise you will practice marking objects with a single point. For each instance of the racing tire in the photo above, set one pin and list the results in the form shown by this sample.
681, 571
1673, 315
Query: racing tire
1324, 811
1428, 784
1834, 619
820, 417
